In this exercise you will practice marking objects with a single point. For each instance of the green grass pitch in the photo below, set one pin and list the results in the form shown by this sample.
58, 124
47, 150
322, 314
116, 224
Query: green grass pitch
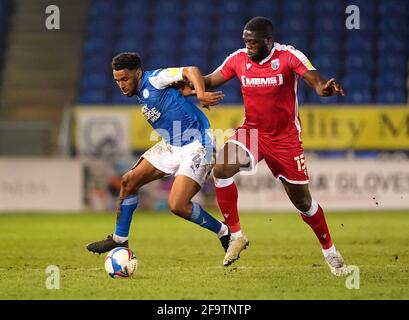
179, 260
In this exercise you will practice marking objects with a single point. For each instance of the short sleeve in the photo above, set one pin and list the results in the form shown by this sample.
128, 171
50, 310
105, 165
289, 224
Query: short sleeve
166, 77
228, 67
298, 62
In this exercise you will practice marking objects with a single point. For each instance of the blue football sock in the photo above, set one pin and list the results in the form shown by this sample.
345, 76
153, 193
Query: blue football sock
123, 223
203, 219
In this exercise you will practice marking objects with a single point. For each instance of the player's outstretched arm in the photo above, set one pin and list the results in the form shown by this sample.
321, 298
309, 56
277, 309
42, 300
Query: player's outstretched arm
214, 80
193, 75
323, 87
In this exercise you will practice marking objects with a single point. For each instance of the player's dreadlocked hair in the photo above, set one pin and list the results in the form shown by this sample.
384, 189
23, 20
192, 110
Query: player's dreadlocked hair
261, 25
126, 60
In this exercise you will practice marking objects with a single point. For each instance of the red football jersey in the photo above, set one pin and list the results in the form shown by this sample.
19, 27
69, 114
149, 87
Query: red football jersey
269, 90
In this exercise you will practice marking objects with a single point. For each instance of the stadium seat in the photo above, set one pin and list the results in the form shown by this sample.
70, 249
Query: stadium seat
316, 27
328, 8
329, 63
117, 97
358, 80
358, 96
394, 43
330, 25
391, 80
316, 99
326, 44
392, 97
94, 96
359, 62
167, 9
355, 45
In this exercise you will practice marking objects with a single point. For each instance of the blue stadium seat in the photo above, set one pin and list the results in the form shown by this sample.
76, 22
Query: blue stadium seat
394, 26
264, 8
163, 44
297, 40
392, 63
357, 81
159, 59
198, 59
97, 96
98, 8
227, 45
130, 44
94, 80
231, 26
393, 44
231, 8
136, 27
316, 99
198, 9
391, 97
333, 25
358, 96
197, 24
166, 8
355, 45
329, 8
326, 44
136, 10
373, 70
296, 8
231, 95
391, 80
359, 62
394, 8
117, 97
195, 44
327, 62
296, 24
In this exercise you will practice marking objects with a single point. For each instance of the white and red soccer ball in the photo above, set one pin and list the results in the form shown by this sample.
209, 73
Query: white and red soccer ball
121, 263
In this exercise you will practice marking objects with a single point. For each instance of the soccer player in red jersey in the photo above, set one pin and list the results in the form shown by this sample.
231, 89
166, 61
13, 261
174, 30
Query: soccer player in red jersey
268, 74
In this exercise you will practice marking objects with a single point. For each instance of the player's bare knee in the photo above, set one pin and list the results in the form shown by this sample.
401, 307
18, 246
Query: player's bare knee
303, 204
128, 184
222, 171
178, 207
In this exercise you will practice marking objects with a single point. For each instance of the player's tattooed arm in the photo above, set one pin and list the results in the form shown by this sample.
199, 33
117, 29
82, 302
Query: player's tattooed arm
323, 87
207, 99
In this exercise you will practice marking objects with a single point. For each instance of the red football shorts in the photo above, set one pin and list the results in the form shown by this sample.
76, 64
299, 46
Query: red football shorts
285, 160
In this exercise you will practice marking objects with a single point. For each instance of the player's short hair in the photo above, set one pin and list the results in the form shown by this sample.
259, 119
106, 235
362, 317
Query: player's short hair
126, 60
261, 25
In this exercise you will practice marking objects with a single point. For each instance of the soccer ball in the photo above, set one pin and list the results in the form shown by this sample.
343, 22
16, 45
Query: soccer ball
120, 263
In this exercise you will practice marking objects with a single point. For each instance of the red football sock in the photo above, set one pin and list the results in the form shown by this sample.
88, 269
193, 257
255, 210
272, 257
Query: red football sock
227, 197
319, 226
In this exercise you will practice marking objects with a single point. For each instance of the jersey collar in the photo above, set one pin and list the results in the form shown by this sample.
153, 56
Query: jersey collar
269, 56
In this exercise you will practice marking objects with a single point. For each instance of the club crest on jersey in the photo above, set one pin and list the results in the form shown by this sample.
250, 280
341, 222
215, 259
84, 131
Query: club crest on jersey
275, 64
145, 93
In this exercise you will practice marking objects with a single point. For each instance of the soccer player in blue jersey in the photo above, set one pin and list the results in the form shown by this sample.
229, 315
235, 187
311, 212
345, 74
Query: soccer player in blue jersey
186, 150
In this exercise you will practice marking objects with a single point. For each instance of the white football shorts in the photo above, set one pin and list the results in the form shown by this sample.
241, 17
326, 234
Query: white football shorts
192, 160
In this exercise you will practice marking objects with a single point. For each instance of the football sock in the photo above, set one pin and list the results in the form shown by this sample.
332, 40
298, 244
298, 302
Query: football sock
123, 223
205, 220
328, 251
227, 196
237, 234
316, 220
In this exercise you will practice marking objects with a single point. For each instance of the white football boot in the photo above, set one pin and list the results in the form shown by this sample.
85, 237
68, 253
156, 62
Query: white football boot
236, 246
336, 264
